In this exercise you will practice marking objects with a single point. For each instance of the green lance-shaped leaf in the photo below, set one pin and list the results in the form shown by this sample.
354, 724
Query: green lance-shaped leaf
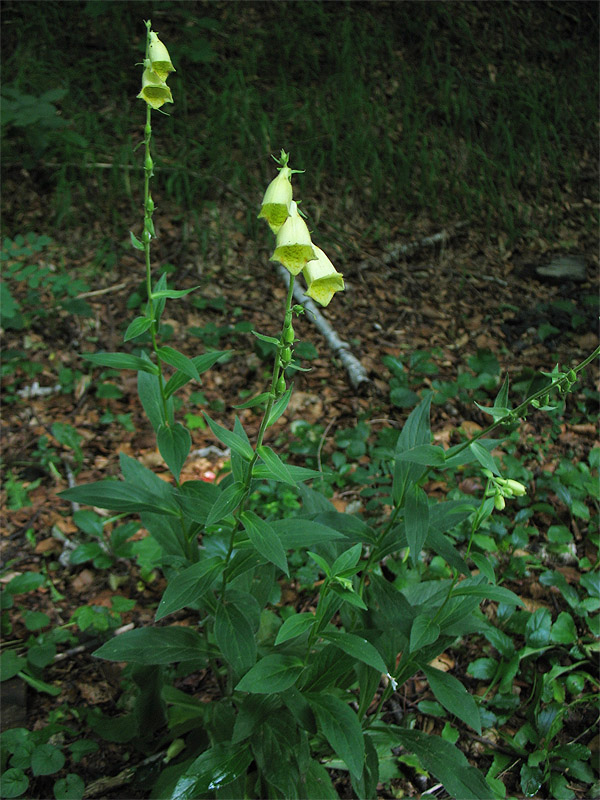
202, 363
294, 626
424, 631
154, 646
235, 637
118, 496
486, 459
176, 359
173, 293
174, 442
264, 539
357, 647
454, 697
428, 455
121, 361
216, 767
276, 466
416, 520
416, 431
228, 501
273, 673
340, 726
188, 587
489, 592
150, 397
447, 763
138, 326
233, 440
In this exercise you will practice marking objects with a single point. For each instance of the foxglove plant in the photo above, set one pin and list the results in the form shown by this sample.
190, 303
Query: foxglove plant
297, 691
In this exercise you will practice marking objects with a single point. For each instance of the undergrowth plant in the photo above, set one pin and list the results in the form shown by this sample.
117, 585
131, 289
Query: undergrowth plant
294, 693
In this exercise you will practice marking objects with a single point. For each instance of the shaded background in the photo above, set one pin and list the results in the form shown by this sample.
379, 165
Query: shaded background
403, 114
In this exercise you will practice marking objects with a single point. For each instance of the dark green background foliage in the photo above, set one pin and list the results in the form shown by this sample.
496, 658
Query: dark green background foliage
453, 109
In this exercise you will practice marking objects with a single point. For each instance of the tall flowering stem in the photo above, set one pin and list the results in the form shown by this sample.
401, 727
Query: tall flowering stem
279, 365
148, 233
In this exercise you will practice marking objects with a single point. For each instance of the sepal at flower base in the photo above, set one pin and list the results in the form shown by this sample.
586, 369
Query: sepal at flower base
159, 57
294, 246
322, 278
154, 91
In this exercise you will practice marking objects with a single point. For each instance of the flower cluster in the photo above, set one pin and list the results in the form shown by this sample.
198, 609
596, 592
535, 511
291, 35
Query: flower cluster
502, 488
157, 67
294, 248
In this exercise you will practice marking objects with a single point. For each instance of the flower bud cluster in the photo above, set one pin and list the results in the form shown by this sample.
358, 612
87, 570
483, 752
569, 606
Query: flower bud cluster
502, 489
294, 248
157, 67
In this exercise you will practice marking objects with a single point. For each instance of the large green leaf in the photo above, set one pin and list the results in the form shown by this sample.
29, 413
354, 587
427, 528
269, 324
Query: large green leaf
416, 431
121, 361
454, 697
489, 592
294, 626
416, 520
278, 469
118, 496
486, 459
228, 501
150, 397
201, 363
428, 455
318, 783
197, 498
188, 587
424, 631
340, 726
235, 637
154, 646
447, 763
233, 440
174, 442
138, 326
216, 767
297, 532
264, 539
176, 359
357, 647
273, 673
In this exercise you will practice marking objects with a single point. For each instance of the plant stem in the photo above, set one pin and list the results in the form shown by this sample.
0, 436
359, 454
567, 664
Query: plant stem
261, 432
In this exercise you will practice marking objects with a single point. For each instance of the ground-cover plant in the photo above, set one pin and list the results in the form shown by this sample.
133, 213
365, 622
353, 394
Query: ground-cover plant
295, 693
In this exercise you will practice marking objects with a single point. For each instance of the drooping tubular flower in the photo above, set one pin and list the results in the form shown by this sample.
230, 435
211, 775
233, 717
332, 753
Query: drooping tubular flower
294, 246
154, 90
159, 57
275, 206
322, 278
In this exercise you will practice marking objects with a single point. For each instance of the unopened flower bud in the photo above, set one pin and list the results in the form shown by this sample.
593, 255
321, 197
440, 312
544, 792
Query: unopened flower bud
322, 279
516, 488
294, 246
499, 502
281, 387
275, 206
154, 91
286, 356
288, 334
159, 57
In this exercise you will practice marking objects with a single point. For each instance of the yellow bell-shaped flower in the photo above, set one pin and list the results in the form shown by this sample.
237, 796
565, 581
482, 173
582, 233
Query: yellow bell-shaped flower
159, 57
154, 91
322, 278
275, 206
294, 246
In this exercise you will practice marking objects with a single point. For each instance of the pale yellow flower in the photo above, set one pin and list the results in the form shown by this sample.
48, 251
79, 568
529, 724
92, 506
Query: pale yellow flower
294, 246
322, 278
159, 57
154, 91
275, 206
